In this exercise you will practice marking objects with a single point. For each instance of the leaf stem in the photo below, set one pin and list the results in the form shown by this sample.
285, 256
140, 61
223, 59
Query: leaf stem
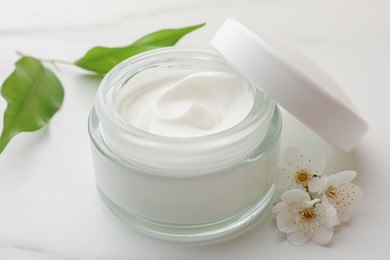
54, 62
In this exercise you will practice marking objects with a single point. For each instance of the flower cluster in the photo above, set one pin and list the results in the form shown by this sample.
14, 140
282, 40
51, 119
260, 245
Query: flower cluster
312, 203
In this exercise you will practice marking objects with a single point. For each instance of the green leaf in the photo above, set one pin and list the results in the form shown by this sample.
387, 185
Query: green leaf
167, 37
33, 94
103, 59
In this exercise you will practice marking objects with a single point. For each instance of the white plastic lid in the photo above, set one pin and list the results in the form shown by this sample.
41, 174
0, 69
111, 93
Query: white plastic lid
296, 83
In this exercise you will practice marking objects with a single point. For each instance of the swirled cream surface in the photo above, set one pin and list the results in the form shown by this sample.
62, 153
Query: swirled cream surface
189, 105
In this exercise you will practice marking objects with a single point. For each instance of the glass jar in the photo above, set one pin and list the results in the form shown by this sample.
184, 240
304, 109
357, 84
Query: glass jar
183, 189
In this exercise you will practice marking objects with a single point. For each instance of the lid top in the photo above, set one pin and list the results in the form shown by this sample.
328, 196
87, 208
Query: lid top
294, 81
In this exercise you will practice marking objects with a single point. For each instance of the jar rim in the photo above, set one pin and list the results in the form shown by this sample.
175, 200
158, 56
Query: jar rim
123, 68
257, 117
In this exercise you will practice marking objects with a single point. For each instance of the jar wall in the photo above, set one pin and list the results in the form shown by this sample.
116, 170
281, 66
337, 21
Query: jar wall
185, 200
175, 206
183, 189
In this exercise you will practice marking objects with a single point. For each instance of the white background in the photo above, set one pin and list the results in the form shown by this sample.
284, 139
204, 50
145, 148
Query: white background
49, 207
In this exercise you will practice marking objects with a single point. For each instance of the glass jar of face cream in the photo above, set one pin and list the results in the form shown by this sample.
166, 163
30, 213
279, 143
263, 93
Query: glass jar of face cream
195, 187
185, 147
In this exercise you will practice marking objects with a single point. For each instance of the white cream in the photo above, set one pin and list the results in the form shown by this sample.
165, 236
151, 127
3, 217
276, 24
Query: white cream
195, 104
169, 186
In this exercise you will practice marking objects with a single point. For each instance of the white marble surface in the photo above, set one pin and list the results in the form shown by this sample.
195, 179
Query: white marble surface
49, 208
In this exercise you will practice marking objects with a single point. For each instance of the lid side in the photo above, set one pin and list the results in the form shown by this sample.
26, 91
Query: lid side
295, 82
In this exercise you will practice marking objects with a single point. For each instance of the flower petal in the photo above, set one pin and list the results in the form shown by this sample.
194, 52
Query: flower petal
310, 203
284, 179
317, 183
316, 166
294, 198
322, 235
293, 157
341, 177
327, 214
345, 197
278, 207
287, 220
297, 238
345, 214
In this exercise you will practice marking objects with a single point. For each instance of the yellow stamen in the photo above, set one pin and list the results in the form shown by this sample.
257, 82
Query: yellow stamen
331, 192
302, 177
308, 214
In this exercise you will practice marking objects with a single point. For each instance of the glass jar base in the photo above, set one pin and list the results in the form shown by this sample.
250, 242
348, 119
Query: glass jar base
200, 233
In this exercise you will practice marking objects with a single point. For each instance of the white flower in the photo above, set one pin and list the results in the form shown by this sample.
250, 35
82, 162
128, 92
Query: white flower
304, 219
301, 172
341, 193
